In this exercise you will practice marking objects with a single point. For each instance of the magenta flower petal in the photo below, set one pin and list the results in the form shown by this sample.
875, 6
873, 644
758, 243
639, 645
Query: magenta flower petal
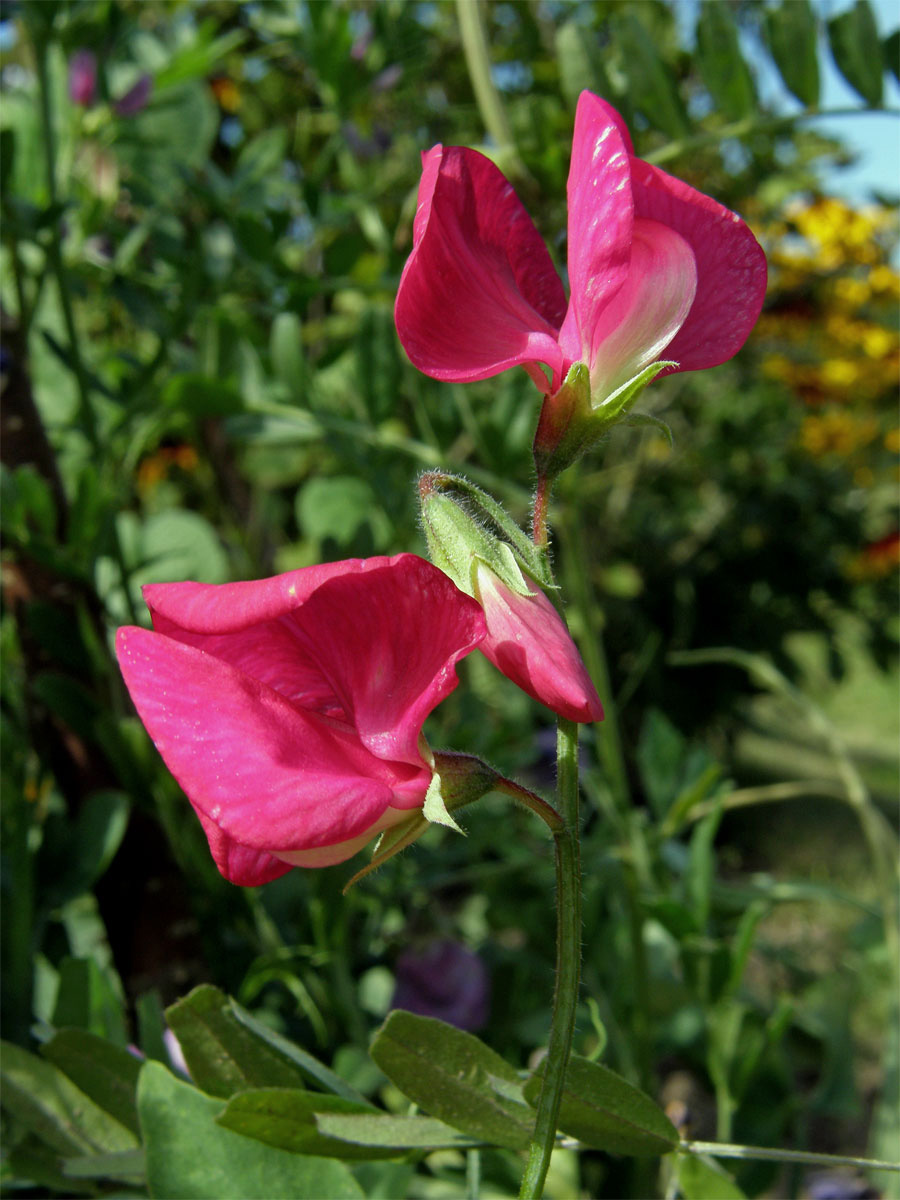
601, 214
291, 710
731, 267
479, 293
388, 643
528, 642
239, 864
642, 318
269, 775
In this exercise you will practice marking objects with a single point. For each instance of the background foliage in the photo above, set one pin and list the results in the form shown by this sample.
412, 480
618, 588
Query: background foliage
202, 380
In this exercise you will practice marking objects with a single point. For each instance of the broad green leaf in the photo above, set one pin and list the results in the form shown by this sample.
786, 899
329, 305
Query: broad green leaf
652, 87
453, 1076
31, 1161
54, 1109
178, 544
151, 1026
105, 1072
721, 63
603, 1110
222, 1054
857, 50
660, 755
791, 29
286, 1118
88, 999
334, 506
703, 1179
192, 1157
382, 1129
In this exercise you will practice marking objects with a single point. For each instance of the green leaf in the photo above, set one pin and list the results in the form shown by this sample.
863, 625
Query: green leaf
792, 33
701, 866
197, 395
262, 156
178, 544
192, 1157
857, 51
88, 999
305, 1063
286, 1118
721, 63
652, 87
397, 1133
334, 506
54, 1109
603, 1110
99, 829
891, 48
453, 1076
103, 1071
647, 419
222, 1054
579, 66
286, 353
128, 1166
703, 1179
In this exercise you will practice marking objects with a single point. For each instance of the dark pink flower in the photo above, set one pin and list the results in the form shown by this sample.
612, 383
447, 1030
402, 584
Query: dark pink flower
290, 710
83, 77
653, 266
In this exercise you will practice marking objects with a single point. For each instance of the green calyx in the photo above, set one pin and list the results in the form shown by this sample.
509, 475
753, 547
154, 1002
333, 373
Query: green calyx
456, 780
457, 518
573, 419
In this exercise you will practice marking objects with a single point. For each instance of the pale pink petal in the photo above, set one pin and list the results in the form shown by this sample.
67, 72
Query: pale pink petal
239, 864
388, 643
327, 856
479, 293
529, 643
269, 775
731, 267
600, 223
640, 321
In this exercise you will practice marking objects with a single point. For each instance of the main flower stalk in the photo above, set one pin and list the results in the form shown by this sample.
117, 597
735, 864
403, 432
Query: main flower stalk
568, 962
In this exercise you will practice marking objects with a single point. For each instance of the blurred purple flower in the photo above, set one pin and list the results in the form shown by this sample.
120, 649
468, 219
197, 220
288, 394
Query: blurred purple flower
83, 77
135, 98
387, 79
444, 980
839, 1185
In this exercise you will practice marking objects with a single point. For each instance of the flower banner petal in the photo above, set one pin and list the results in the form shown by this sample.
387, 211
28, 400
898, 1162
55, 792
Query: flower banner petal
239, 864
479, 293
731, 267
266, 773
601, 216
643, 317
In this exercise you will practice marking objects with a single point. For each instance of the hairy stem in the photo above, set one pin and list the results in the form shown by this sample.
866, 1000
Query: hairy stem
568, 962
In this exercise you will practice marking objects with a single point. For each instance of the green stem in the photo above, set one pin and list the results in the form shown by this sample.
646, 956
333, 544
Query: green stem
766, 1154
58, 270
475, 48
568, 962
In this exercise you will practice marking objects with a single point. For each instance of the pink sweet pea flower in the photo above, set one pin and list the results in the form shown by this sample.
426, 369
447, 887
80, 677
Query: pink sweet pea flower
290, 710
653, 266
